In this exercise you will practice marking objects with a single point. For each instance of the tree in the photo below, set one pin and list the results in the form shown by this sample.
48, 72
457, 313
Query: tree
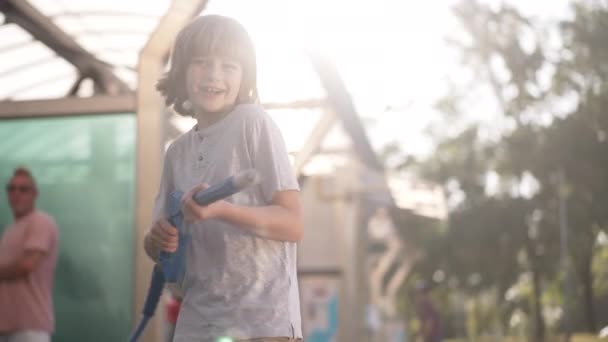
557, 127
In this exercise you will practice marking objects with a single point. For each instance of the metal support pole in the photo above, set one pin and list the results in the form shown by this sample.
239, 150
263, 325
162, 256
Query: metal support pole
150, 124
563, 192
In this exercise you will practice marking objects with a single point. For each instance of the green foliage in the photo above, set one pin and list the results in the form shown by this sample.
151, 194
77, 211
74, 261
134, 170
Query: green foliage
555, 150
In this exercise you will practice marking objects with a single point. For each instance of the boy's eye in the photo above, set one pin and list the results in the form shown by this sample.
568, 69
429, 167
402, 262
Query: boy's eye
231, 66
200, 61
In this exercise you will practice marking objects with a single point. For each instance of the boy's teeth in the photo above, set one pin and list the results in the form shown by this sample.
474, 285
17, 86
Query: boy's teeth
211, 90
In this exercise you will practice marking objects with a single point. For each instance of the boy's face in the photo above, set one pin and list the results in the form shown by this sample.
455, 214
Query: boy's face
213, 83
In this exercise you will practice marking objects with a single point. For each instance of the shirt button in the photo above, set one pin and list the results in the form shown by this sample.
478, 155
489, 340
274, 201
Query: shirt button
200, 158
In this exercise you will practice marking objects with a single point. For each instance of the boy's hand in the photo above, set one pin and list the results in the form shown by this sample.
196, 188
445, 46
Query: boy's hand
164, 236
194, 212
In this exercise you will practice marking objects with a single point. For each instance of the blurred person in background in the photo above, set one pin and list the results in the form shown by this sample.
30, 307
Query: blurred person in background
428, 315
28, 255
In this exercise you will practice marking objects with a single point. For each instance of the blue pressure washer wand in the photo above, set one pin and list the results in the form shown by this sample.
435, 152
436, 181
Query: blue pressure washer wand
171, 266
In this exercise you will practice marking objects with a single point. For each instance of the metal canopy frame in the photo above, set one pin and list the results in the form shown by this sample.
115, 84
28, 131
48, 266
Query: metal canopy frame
112, 95
22, 13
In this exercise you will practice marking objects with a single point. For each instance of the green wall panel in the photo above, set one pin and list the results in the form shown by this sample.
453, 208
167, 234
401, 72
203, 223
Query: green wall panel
85, 169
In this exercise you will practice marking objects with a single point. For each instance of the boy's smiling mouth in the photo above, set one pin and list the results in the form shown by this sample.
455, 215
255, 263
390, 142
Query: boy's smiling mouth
202, 89
212, 90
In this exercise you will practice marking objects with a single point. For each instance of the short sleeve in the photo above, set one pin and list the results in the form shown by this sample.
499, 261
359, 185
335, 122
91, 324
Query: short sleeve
270, 158
41, 234
165, 187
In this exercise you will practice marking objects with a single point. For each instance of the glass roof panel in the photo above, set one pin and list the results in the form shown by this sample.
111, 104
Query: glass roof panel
114, 31
31, 70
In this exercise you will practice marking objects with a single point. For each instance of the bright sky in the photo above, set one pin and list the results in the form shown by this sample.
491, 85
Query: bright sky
391, 54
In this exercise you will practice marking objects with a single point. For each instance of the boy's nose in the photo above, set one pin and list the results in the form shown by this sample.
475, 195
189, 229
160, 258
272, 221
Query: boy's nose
214, 71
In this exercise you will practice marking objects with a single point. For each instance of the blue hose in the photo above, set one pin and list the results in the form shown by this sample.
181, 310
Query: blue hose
171, 266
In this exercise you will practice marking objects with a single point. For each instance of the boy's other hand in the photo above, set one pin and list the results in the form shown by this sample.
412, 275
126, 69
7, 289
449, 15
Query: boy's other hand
164, 236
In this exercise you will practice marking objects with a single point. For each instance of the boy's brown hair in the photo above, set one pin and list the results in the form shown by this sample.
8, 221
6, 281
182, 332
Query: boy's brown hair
209, 35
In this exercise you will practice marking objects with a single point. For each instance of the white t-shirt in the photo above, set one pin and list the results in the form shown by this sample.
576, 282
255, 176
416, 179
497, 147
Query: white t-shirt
236, 284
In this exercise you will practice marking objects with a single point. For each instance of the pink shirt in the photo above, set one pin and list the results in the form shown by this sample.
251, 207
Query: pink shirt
27, 303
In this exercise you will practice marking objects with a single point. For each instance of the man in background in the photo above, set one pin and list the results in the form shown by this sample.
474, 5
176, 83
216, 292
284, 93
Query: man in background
28, 255
428, 315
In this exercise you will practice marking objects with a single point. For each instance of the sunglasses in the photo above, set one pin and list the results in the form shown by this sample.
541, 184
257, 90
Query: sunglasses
20, 188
